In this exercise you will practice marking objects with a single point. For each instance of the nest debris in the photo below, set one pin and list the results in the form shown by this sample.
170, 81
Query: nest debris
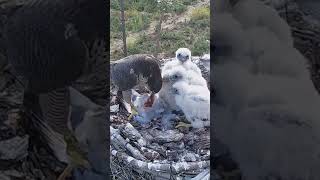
149, 151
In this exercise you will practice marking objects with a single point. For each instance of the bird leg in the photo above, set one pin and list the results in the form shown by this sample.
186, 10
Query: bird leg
126, 95
77, 157
182, 124
134, 111
55, 107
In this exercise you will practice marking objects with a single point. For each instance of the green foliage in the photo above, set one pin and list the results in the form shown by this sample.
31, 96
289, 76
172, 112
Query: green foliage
115, 22
137, 21
139, 14
200, 13
150, 6
200, 46
141, 45
115, 5
188, 2
139, 5
172, 6
178, 7
172, 40
142, 5
131, 42
186, 36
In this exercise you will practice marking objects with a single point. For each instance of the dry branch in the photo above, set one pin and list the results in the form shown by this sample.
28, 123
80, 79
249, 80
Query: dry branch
174, 168
166, 136
129, 131
118, 140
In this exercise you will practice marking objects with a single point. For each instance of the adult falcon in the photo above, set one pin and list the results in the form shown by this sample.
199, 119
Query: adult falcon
136, 72
48, 44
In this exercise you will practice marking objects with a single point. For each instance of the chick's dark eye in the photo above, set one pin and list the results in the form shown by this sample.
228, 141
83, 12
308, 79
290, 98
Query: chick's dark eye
179, 55
187, 56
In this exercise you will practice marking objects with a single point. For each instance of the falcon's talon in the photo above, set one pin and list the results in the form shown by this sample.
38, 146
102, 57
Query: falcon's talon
134, 111
182, 124
77, 157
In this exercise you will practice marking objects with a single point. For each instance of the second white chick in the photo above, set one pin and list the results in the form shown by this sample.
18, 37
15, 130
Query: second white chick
183, 58
169, 77
174, 75
181, 74
194, 101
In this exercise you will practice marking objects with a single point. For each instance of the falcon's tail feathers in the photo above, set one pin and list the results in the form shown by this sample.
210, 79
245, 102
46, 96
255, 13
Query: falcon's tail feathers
55, 106
55, 140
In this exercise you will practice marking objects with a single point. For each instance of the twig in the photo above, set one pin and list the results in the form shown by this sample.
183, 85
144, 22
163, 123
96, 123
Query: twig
129, 131
174, 168
117, 139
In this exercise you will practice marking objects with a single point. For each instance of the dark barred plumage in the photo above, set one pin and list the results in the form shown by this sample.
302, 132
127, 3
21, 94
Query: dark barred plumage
55, 109
47, 40
52, 43
130, 71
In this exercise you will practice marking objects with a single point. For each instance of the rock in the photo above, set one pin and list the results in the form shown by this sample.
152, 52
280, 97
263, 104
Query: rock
166, 136
15, 148
190, 157
174, 145
172, 155
114, 108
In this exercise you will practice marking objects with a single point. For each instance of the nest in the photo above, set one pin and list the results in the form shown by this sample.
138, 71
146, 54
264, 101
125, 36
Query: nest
148, 151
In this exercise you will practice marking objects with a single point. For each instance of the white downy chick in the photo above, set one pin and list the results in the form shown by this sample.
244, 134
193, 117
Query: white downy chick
194, 101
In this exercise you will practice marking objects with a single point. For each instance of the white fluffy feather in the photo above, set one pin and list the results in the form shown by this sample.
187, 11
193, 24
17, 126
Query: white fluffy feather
196, 79
251, 13
269, 119
194, 101
183, 58
194, 98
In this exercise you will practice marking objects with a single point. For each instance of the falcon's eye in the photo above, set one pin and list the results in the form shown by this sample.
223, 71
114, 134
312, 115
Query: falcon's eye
179, 55
187, 56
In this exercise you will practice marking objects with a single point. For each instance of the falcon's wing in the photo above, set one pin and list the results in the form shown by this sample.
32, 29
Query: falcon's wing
55, 109
55, 140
